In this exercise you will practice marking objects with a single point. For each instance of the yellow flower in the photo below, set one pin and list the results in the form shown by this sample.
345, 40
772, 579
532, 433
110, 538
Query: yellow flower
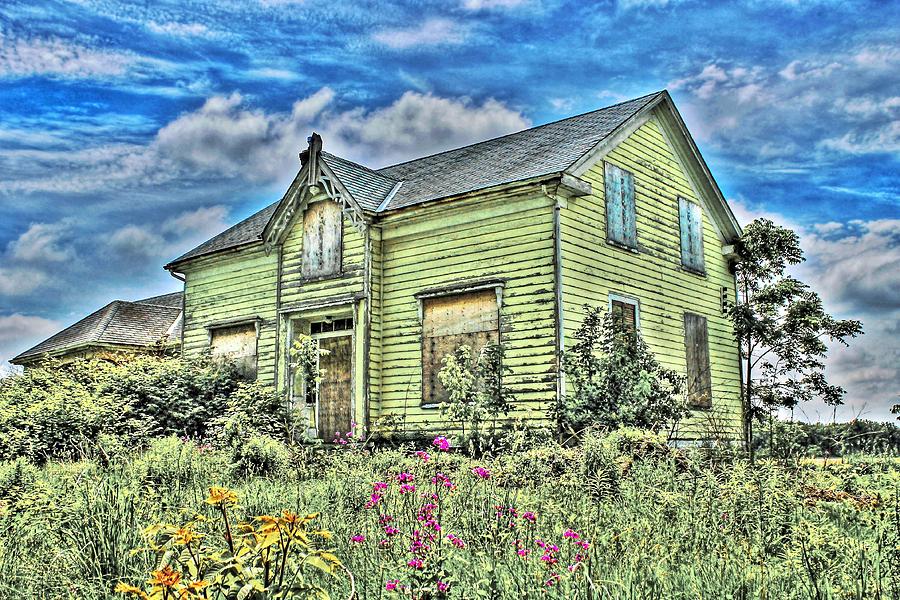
183, 536
220, 496
124, 588
167, 577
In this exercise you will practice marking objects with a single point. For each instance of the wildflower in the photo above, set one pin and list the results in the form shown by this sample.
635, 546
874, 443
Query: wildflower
416, 563
402, 477
358, 538
392, 585
529, 516
385, 519
584, 545
124, 588
384, 543
443, 481
379, 486
481, 472
407, 488
390, 530
423, 455
456, 541
442, 587
374, 499
553, 580
441, 443
183, 536
220, 496
167, 577
571, 534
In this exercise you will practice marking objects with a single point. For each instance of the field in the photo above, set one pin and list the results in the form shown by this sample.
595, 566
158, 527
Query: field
619, 517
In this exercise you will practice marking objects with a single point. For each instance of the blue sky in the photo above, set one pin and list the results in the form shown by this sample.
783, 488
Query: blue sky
129, 132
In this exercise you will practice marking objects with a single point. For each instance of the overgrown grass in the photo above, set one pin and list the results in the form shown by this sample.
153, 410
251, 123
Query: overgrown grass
657, 524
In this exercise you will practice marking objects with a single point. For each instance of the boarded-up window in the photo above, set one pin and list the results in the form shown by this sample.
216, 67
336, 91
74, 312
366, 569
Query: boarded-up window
449, 322
696, 343
621, 226
321, 239
624, 314
690, 220
236, 343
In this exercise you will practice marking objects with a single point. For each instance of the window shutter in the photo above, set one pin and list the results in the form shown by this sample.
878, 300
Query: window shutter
621, 226
690, 220
321, 239
696, 343
449, 322
624, 313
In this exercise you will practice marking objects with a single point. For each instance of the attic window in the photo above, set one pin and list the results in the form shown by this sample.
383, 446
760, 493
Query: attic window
621, 227
448, 322
236, 343
321, 239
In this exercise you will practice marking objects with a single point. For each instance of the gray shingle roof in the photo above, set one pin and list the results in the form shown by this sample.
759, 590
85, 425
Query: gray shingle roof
543, 150
140, 323
368, 187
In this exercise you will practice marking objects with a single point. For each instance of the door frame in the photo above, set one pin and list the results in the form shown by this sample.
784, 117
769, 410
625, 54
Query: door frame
299, 323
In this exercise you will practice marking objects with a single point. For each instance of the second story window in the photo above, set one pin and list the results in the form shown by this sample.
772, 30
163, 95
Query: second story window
690, 224
322, 239
621, 227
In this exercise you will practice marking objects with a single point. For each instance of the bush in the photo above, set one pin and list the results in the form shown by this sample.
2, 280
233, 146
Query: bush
55, 411
616, 381
259, 455
253, 409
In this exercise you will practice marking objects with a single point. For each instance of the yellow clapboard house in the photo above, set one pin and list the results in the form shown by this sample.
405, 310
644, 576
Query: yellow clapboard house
504, 240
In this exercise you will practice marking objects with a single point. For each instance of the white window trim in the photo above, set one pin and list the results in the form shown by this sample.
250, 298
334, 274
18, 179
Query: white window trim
627, 300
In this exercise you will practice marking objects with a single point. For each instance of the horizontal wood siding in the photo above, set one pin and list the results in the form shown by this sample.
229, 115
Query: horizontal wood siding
295, 289
508, 238
592, 269
234, 286
376, 319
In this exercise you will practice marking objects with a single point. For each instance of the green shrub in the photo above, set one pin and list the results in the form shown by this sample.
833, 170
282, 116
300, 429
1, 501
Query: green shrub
259, 455
17, 478
253, 409
598, 467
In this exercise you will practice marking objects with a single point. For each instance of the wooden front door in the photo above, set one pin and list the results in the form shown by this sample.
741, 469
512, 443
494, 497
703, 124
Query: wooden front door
334, 387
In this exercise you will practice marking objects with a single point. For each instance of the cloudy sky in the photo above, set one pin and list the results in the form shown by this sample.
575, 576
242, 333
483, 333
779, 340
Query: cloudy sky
131, 132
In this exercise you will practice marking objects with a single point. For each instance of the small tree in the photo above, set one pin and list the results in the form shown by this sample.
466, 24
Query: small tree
475, 386
616, 380
781, 327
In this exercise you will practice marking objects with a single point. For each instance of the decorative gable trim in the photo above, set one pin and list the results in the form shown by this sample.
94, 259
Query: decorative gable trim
314, 180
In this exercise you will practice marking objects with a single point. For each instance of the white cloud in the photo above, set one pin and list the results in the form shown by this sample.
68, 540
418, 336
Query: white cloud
53, 56
226, 137
432, 32
19, 332
489, 4
805, 110
42, 243
137, 244
180, 29
18, 281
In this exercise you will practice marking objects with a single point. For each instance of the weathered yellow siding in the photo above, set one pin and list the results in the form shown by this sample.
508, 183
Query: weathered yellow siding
592, 268
503, 237
295, 291
237, 285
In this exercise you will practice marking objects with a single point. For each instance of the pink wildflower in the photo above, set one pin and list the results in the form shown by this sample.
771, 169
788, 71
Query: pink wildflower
392, 585
407, 488
379, 486
481, 472
358, 538
441, 443
571, 534
423, 455
442, 587
456, 541
529, 516
405, 477
374, 499
416, 563
390, 530
553, 580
